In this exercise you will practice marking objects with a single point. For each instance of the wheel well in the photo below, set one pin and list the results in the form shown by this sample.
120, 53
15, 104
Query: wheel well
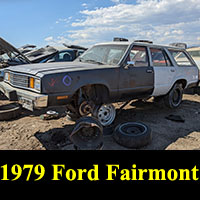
97, 93
183, 82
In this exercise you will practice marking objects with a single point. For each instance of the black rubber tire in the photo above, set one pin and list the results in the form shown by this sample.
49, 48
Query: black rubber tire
87, 134
9, 111
132, 135
169, 100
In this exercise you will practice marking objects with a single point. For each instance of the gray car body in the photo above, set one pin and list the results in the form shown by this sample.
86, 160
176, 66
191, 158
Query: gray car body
81, 74
65, 79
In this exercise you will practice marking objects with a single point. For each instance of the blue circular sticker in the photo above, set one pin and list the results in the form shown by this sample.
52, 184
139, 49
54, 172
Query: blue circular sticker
67, 80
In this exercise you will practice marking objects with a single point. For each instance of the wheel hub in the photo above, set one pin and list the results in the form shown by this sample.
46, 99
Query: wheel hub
85, 108
106, 114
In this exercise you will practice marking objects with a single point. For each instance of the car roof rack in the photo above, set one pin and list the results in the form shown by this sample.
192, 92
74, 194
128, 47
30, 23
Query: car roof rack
144, 41
179, 44
118, 39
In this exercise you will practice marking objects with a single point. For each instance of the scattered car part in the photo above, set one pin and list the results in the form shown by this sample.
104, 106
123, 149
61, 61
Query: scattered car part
132, 134
105, 113
9, 111
50, 115
175, 118
87, 134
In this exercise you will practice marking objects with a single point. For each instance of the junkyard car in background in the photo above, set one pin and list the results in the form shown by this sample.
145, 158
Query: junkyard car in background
10, 56
104, 74
27, 54
65, 54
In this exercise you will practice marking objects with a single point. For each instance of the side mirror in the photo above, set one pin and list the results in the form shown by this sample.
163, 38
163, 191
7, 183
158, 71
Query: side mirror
129, 64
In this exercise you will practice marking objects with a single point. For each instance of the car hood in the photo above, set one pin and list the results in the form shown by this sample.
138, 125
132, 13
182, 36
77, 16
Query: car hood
5, 47
42, 69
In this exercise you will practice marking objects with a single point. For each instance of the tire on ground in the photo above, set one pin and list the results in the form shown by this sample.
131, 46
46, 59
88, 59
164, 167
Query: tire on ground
132, 135
174, 98
87, 134
9, 111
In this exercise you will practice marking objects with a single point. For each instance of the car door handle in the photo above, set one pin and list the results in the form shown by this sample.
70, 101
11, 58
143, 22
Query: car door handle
172, 70
149, 71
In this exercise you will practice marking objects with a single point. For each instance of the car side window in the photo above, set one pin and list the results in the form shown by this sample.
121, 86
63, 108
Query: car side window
181, 58
139, 56
64, 56
159, 58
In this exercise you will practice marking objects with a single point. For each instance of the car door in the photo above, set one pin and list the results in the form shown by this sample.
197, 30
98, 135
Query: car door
136, 75
164, 71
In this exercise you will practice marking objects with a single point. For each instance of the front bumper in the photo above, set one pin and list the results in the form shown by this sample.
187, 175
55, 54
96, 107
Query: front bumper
29, 100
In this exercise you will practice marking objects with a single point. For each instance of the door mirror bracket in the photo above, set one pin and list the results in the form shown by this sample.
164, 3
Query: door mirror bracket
129, 64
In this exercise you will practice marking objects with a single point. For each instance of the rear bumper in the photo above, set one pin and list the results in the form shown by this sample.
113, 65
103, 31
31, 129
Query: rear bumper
29, 100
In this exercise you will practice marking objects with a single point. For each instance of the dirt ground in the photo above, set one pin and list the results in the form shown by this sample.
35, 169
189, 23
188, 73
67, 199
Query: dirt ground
30, 132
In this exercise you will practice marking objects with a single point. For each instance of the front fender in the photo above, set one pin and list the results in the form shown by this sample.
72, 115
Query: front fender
72, 81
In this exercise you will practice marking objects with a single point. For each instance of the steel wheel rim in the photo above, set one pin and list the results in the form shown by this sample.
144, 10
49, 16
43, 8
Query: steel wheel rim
106, 114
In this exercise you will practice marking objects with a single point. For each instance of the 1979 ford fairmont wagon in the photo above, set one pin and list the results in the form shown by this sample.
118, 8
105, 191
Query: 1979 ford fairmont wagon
104, 74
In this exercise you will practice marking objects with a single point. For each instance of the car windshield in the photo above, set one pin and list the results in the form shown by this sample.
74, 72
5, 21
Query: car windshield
104, 54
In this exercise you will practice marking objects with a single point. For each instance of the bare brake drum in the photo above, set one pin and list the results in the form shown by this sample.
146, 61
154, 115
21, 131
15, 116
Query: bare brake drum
105, 113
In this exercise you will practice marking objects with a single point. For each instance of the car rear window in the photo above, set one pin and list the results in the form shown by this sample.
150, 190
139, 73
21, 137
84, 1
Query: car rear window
181, 58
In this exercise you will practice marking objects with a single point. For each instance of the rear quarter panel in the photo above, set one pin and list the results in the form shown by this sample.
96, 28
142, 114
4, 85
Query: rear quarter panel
189, 73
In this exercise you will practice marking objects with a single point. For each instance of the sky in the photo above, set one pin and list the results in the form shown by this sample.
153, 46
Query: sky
86, 22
